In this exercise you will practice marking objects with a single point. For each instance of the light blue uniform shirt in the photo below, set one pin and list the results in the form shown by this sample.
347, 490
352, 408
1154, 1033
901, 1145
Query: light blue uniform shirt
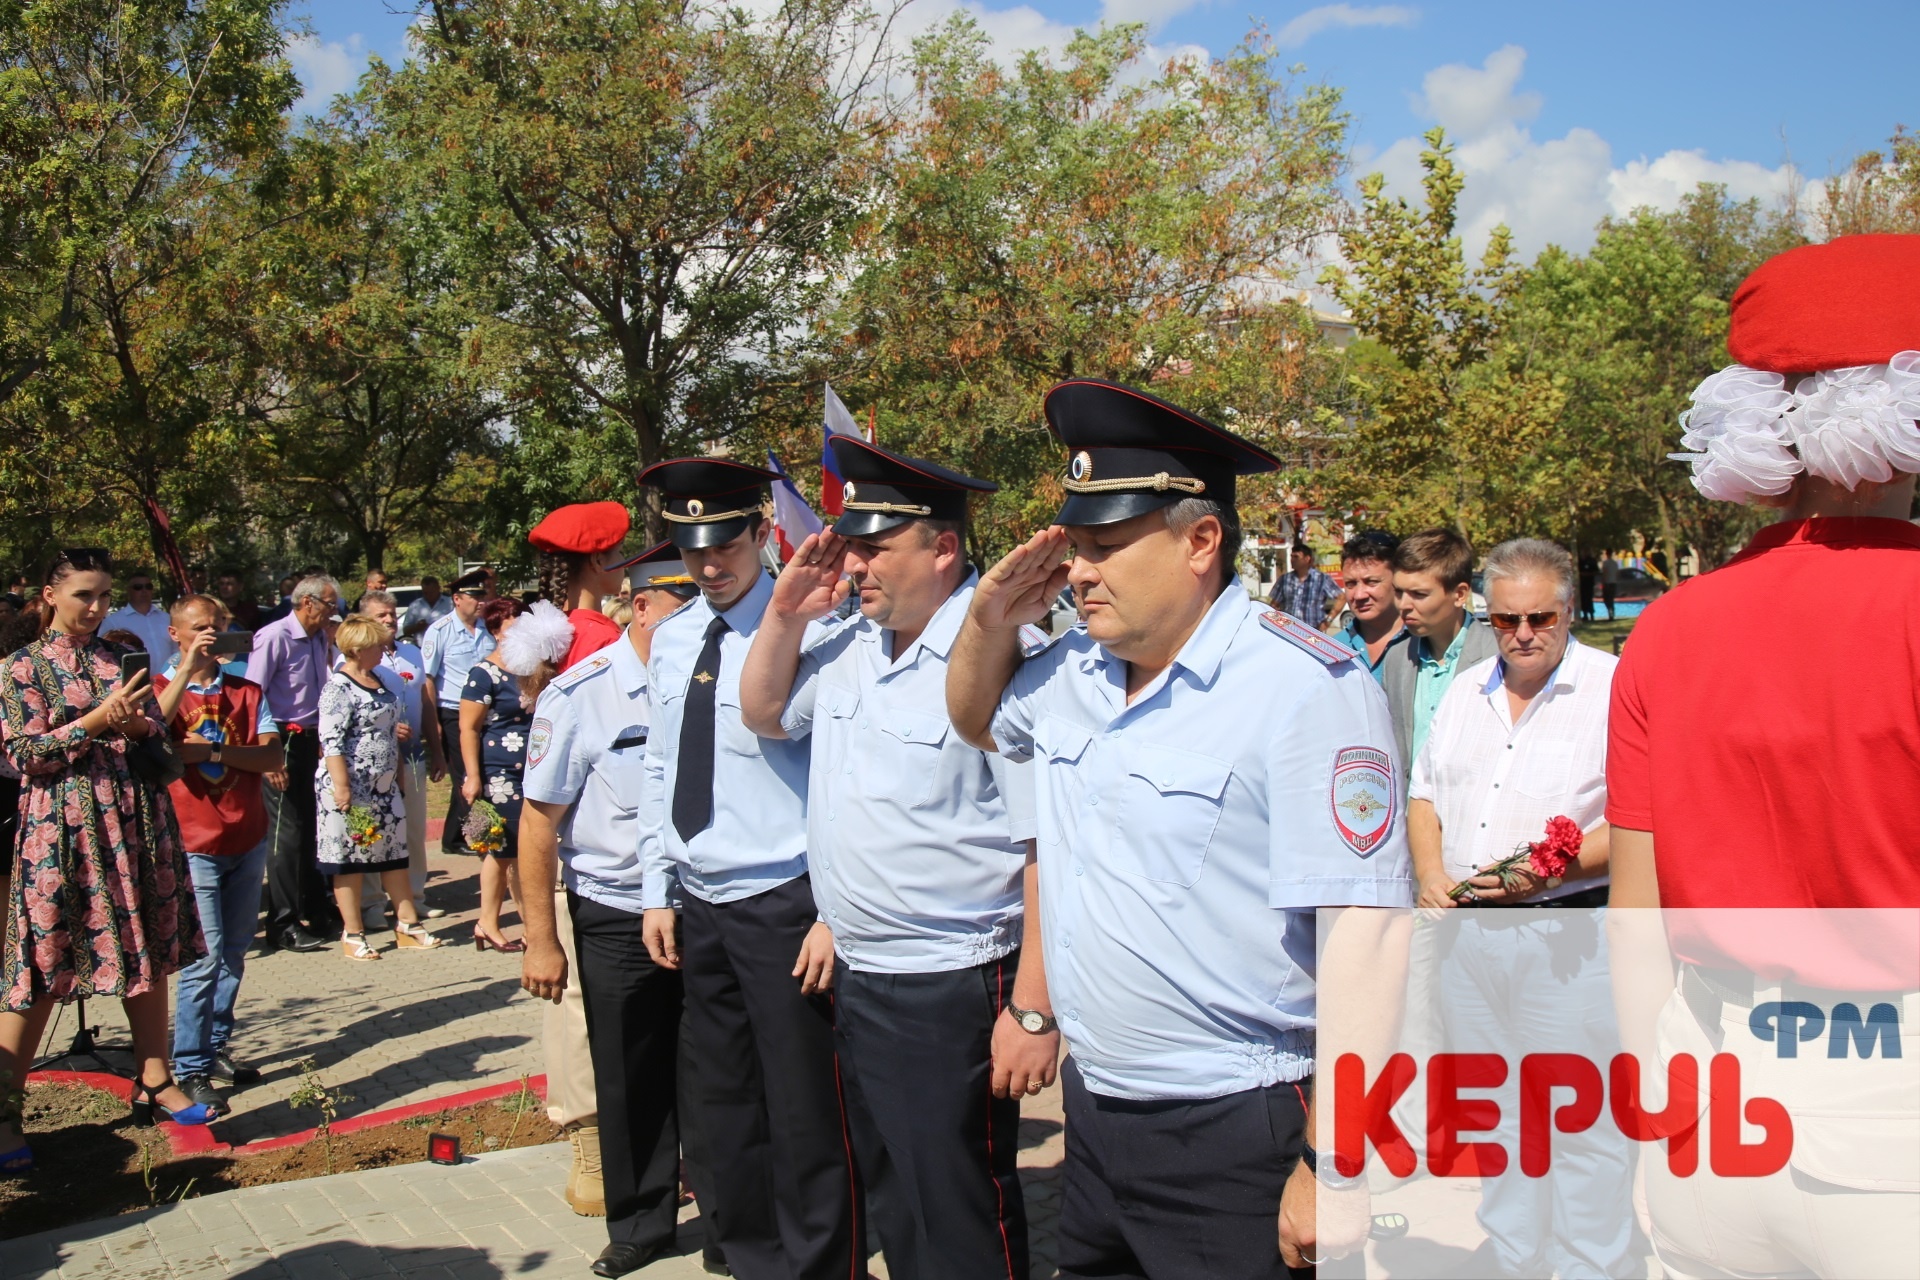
448, 651
757, 839
586, 749
915, 840
1249, 776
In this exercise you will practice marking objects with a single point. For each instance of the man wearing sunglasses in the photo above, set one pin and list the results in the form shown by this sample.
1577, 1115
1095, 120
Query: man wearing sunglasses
144, 618
1518, 739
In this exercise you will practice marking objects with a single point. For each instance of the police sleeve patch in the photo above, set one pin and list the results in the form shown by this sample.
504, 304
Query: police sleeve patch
1034, 641
540, 738
1299, 634
1364, 800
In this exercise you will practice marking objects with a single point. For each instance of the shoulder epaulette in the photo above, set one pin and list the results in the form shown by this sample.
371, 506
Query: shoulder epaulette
676, 613
580, 671
1290, 628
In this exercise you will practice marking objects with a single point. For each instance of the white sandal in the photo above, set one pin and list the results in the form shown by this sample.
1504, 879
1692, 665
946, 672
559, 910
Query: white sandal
415, 935
354, 947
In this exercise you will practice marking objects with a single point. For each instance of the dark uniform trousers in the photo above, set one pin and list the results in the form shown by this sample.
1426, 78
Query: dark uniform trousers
296, 890
1177, 1190
939, 1154
451, 838
769, 1134
633, 1035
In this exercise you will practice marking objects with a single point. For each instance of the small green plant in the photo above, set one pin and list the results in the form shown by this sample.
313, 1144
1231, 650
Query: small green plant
520, 1103
312, 1094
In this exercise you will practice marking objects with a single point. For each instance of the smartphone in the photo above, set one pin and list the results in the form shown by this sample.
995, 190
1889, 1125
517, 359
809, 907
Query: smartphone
229, 643
138, 662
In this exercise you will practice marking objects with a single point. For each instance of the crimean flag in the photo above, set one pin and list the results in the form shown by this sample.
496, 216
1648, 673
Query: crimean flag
793, 519
839, 423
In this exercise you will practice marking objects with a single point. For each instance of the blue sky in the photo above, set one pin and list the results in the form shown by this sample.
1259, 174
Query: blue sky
1564, 111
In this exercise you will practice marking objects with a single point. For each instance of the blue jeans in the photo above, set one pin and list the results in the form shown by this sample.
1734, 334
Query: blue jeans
227, 892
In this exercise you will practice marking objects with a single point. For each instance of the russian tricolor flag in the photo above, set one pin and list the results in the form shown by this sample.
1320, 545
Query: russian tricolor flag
793, 520
839, 423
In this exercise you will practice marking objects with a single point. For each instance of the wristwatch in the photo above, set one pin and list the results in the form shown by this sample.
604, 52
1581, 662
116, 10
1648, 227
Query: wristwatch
1031, 1021
213, 752
1331, 1179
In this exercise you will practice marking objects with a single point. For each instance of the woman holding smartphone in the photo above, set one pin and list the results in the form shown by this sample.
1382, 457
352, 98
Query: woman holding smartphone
101, 903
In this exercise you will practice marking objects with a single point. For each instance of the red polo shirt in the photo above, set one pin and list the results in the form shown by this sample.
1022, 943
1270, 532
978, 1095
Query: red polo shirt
1766, 723
1765, 728
592, 632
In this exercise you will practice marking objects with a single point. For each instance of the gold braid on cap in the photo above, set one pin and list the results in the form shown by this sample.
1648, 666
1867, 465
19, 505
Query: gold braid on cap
887, 508
1158, 482
714, 517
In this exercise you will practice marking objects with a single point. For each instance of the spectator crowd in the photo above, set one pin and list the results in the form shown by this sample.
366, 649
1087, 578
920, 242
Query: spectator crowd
783, 843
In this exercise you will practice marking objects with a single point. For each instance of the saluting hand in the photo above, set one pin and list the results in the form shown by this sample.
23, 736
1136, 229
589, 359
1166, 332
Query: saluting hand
1020, 589
812, 585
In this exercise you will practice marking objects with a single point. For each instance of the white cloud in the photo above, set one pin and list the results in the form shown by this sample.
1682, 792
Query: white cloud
1311, 23
325, 70
1553, 190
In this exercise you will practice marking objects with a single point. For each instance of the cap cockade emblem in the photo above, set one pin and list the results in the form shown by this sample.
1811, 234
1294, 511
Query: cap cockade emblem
1081, 468
850, 492
695, 507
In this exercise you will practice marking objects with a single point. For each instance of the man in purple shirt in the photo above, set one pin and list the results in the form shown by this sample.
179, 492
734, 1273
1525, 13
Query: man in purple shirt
291, 660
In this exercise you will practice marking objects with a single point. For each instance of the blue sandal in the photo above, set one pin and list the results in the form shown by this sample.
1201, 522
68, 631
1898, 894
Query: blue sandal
144, 1108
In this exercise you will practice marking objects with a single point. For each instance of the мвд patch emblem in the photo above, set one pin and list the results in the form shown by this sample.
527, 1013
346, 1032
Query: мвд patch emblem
1362, 797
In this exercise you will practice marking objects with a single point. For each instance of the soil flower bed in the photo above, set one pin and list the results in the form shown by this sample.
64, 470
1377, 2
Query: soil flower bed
91, 1162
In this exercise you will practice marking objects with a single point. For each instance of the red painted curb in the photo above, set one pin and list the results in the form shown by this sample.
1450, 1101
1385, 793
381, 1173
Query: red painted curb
199, 1139
393, 1115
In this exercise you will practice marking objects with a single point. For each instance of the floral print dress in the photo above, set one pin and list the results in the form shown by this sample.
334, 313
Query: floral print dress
503, 744
101, 902
357, 724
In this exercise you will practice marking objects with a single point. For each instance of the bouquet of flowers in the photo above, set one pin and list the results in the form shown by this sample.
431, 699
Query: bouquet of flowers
485, 830
1544, 858
362, 828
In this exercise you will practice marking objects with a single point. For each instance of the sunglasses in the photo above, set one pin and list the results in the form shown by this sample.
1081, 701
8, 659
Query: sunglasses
139, 586
1544, 621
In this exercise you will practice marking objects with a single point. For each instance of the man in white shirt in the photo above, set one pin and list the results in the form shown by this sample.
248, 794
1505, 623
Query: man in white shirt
1518, 739
145, 619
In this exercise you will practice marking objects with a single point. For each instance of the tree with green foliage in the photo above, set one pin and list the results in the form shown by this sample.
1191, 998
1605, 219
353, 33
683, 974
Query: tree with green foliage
1459, 424
1080, 218
123, 126
647, 194
382, 429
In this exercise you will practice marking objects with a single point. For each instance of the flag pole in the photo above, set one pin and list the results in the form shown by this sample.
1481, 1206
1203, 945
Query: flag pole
873, 424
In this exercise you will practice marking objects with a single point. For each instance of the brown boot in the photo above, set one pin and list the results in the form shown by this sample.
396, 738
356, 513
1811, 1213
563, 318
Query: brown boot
584, 1190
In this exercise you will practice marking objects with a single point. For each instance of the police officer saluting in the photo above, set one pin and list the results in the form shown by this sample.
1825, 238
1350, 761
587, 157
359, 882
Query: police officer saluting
1207, 776
917, 864
724, 826
584, 755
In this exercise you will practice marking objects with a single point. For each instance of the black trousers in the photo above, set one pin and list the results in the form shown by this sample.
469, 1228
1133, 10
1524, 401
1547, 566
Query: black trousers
1177, 1190
633, 1036
296, 890
451, 841
771, 1139
938, 1153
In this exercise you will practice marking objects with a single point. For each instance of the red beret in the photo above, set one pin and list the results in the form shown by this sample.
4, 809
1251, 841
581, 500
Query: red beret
1852, 301
585, 528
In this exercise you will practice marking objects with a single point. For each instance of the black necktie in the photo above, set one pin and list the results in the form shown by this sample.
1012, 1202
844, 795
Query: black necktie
693, 783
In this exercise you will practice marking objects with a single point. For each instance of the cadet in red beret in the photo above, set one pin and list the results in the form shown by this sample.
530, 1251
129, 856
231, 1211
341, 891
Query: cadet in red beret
574, 541
1763, 753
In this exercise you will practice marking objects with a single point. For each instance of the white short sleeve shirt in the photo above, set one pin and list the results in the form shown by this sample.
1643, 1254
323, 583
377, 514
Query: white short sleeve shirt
1494, 782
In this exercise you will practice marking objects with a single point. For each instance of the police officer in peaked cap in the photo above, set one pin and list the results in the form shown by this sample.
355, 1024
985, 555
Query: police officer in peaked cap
1207, 776
917, 845
584, 754
723, 830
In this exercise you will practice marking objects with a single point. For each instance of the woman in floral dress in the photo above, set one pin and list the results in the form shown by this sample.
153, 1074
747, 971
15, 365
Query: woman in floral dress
362, 809
100, 902
494, 724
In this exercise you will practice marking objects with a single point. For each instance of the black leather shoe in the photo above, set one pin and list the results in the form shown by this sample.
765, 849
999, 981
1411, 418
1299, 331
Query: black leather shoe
200, 1089
298, 939
227, 1071
618, 1259
714, 1265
